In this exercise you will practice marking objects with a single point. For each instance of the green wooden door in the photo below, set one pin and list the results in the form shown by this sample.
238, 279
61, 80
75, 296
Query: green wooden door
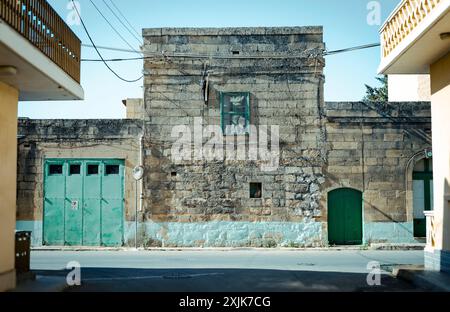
73, 216
54, 198
112, 204
345, 217
83, 202
91, 212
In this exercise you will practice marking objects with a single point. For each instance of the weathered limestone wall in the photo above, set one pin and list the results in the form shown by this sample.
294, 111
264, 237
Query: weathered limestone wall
135, 108
371, 150
368, 148
283, 92
42, 139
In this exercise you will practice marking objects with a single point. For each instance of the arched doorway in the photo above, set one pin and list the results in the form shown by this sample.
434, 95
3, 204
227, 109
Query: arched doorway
345, 217
422, 194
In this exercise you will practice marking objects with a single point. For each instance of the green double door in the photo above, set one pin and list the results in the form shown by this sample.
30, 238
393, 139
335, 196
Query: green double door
345, 217
83, 202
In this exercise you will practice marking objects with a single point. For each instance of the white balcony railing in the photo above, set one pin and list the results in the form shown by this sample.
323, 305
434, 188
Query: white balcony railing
406, 17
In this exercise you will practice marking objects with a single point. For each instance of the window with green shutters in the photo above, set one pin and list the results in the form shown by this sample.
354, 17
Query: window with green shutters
235, 112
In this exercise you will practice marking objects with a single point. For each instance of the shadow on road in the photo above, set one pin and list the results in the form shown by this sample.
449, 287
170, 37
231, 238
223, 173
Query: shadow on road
224, 280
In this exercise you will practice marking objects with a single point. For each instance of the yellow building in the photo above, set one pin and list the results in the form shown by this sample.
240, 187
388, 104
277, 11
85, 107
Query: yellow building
416, 40
39, 60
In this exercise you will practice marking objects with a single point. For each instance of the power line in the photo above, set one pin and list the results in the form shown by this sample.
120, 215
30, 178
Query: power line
111, 49
112, 27
366, 46
98, 52
223, 56
123, 24
123, 15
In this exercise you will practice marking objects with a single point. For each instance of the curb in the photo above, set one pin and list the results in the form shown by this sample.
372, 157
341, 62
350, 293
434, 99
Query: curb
417, 277
43, 284
405, 247
418, 246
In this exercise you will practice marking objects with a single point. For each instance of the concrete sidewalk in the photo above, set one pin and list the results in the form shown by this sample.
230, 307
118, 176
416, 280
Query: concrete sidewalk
427, 280
42, 284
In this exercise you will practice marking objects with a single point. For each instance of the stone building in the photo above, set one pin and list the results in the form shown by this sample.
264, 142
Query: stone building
343, 173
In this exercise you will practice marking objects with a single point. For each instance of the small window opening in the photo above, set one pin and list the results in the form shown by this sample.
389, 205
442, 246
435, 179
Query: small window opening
255, 190
235, 52
55, 169
75, 169
92, 169
173, 174
112, 169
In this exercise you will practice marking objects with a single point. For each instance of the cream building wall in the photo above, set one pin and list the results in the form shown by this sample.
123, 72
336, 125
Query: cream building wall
409, 88
8, 159
440, 89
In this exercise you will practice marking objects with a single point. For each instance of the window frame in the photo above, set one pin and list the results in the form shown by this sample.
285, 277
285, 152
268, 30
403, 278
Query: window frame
111, 165
259, 187
247, 115
50, 164
69, 173
99, 172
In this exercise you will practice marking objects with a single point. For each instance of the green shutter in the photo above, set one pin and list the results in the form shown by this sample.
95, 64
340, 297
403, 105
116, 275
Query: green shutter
234, 114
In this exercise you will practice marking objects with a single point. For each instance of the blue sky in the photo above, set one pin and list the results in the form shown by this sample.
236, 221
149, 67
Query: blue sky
344, 21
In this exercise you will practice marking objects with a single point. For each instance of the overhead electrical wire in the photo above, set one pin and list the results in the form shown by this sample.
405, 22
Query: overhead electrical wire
222, 56
98, 52
125, 18
366, 46
123, 24
111, 49
185, 55
112, 26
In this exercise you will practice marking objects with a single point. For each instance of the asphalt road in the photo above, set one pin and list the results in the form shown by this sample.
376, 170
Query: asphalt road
227, 271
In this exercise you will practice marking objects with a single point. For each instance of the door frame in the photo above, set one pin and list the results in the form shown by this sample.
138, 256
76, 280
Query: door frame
425, 176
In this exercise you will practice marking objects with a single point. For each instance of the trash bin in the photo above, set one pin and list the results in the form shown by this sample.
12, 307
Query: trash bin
23, 246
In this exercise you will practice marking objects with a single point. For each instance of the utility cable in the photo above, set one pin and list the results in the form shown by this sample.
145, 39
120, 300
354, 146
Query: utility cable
112, 26
124, 17
98, 52
123, 24
222, 56
111, 49
366, 46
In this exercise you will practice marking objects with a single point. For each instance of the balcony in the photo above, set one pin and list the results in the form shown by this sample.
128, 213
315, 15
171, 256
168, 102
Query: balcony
408, 34
41, 49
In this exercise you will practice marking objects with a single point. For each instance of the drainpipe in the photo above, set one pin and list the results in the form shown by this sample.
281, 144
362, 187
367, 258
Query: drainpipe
141, 163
